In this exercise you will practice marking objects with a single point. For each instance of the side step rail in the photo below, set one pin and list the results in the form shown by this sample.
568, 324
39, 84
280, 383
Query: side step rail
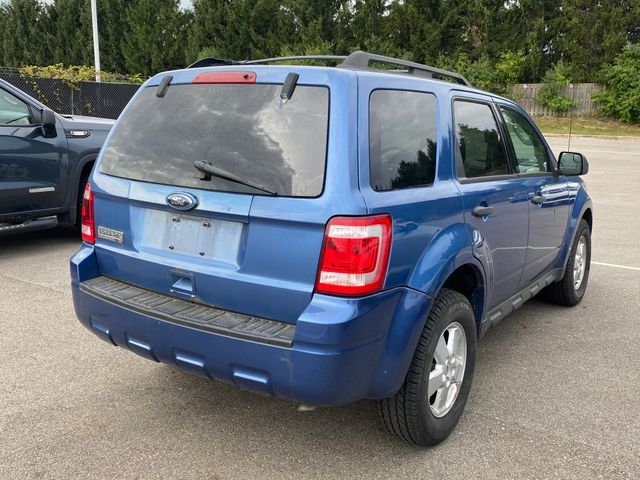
30, 225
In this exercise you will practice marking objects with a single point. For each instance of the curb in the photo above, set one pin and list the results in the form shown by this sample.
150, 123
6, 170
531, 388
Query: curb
605, 137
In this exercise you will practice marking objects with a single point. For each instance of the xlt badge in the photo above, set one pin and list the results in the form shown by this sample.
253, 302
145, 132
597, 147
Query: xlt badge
110, 234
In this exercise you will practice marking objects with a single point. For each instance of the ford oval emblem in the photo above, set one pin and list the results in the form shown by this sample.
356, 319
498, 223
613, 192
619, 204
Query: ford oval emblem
182, 201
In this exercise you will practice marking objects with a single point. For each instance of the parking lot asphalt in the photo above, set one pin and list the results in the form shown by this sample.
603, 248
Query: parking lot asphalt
556, 391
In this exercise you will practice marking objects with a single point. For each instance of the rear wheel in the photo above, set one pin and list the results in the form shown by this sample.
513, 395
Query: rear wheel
570, 290
430, 402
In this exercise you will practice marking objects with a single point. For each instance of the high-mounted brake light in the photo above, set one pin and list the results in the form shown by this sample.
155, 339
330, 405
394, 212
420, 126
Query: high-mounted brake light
87, 224
225, 77
355, 254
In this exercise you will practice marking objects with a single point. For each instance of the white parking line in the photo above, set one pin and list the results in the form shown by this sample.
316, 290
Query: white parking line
617, 266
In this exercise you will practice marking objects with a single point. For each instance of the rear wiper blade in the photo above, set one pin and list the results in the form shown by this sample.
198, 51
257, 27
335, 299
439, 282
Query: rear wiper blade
213, 171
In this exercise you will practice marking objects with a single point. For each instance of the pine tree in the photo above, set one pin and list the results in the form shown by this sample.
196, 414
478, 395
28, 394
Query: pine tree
112, 32
154, 36
25, 37
73, 44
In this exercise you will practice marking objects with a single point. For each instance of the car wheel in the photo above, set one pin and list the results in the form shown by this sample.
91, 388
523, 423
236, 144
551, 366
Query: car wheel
430, 402
570, 290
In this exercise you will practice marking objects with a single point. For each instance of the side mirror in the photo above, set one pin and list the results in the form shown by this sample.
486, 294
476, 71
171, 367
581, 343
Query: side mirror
571, 163
48, 122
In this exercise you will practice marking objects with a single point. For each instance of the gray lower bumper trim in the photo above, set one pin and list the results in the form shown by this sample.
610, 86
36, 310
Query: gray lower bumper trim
191, 314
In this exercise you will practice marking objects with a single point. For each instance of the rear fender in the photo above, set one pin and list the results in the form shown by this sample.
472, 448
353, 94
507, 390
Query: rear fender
449, 250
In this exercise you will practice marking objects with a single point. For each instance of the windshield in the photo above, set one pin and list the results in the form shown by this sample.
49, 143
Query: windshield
244, 130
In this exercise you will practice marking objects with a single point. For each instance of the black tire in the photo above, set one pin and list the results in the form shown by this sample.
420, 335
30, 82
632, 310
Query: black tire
83, 182
564, 292
407, 414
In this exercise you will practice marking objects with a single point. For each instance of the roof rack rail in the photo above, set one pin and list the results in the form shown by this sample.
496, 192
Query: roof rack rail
212, 61
358, 60
362, 59
327, 58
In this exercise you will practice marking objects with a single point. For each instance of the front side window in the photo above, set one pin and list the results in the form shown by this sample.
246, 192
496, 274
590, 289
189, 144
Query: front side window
480, 150
13, 111
402, 139
531, 154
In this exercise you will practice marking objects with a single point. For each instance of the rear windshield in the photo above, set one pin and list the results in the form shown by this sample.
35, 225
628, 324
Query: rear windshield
245, 131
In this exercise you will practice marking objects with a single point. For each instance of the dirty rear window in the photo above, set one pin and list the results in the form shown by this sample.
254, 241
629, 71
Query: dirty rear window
244, 130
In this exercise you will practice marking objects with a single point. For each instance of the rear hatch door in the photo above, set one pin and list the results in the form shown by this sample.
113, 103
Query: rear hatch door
218, 191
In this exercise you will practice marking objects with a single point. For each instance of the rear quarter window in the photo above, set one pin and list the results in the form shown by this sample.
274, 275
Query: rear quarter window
402, 139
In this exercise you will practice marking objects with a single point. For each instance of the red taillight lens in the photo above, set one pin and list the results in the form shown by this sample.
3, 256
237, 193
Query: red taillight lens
87, 223
354, 256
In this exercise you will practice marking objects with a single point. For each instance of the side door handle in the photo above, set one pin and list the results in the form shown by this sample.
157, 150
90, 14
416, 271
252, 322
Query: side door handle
538, 199
482, 211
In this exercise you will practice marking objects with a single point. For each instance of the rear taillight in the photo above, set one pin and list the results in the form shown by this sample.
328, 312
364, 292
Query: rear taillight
354, 256
87, 224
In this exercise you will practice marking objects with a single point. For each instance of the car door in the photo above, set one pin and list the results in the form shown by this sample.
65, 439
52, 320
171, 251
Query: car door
547, 192
30, 164
494, 197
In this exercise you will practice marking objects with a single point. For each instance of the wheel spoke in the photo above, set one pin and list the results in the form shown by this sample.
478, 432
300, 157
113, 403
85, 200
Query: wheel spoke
452, 341
440, 403
459, 370
441, 352
435, 380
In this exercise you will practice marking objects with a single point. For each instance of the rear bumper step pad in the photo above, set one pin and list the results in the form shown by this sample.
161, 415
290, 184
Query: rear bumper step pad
191, 314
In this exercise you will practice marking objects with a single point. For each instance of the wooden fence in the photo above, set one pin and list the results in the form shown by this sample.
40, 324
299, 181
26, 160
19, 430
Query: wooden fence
525, 94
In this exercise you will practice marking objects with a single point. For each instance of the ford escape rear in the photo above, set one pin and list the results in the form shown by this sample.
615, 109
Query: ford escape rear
326, 234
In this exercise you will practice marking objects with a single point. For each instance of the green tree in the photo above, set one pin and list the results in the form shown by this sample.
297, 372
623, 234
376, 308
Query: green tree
551, 93
73, 42
621, 97
26, 33
154, 36
208, 32
112, 32
368, 28
593, 33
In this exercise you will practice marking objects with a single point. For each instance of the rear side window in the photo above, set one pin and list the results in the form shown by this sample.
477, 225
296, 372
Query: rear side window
402, 139
244, 131
480, 150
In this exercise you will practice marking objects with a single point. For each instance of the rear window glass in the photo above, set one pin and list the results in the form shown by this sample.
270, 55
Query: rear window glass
244, 131
402, 139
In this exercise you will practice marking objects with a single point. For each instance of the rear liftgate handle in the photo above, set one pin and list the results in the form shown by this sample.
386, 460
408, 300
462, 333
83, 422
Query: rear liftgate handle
482, 210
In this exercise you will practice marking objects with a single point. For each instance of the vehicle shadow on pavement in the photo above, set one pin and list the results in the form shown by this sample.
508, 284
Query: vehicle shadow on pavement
22, 243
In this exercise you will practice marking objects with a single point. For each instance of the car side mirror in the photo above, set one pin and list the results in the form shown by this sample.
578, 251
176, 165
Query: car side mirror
48, 123
572, 163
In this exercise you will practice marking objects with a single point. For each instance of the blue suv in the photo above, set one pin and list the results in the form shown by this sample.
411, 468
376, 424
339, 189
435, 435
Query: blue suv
327, 234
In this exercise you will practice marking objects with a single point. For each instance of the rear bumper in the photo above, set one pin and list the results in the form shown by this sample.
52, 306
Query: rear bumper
342, 350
